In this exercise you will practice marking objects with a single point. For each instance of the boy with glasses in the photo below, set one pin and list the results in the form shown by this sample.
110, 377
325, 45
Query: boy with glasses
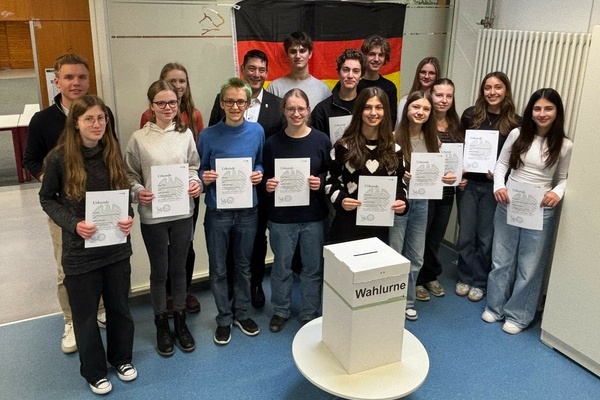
233, 137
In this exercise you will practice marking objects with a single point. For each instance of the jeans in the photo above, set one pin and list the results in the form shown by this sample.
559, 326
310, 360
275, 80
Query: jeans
222, 229
167, 245
112, 282
476, 206
284, 239
438, 215
520, 258
407, 237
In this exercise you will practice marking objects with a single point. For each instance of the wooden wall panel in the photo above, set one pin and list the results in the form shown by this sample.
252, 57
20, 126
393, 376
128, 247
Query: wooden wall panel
59, 10
54, 38
15, 10
19, 45
4, 55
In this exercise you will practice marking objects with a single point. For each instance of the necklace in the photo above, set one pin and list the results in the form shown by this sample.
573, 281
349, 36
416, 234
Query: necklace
493, 122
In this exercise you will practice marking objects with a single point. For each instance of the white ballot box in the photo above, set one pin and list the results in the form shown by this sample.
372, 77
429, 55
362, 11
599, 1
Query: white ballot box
364, 298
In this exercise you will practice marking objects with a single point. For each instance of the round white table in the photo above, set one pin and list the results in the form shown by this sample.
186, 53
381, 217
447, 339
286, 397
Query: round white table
320, 367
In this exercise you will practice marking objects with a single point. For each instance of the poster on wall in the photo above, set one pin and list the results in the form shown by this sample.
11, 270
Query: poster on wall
333, 26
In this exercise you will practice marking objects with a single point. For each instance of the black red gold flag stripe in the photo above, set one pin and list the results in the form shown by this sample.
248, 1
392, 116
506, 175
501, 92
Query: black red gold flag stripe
332, 25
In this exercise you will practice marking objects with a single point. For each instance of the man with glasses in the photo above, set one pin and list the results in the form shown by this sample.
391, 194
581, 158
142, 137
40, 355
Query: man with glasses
72, 78
232, 138
333, 114
298, 50
264, 108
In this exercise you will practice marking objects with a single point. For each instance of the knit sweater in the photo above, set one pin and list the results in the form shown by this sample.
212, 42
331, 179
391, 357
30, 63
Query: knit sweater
316, 146
66, 213
226, 141
151, 146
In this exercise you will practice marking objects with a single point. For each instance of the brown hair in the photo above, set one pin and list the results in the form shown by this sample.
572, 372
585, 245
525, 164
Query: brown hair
187, 103
508, 117
154, 89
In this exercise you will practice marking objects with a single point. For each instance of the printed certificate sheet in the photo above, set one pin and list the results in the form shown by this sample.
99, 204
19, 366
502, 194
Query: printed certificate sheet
104, 209
337, 126
427, 170
454, 160
293, 188
377, 194
524, 209
481, 148
234, 187
170, 185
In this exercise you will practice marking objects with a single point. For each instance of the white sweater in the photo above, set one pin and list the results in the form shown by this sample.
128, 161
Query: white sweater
533, 170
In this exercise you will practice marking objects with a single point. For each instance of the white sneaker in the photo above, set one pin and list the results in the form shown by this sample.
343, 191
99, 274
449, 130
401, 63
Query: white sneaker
68, 344
462, 289
126, 372
101, 320
476, 294
488, 317
101, 386
511, 328
411, 314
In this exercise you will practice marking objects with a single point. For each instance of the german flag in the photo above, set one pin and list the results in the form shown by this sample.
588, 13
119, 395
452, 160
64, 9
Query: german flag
333, 26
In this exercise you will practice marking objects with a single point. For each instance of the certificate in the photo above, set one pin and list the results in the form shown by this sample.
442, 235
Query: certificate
170, 185
337, 126
234, 187
293, 188
377, 194
454, 160
524, 209
427, 170
481, 149
104, 209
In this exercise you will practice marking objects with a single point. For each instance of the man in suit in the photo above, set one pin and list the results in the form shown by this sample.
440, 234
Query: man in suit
266, 109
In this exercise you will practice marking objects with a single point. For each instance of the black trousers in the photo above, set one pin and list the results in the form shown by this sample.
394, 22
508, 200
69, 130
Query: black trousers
112, 282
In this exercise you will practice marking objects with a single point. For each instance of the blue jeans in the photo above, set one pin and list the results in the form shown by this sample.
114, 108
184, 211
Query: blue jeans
284, 239
476, 207
224, 228
520, 258
407, 237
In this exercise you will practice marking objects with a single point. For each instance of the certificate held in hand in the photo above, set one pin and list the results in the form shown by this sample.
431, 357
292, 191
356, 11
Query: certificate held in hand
234, 187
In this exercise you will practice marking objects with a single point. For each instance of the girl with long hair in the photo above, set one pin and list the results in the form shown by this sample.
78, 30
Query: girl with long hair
367, 142
494, 110
416, 133
87, 158
177, 75
427, 72
165, 140
449, 130
539, 154
303, 225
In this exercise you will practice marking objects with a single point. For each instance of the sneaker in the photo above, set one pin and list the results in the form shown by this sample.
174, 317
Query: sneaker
411, 314
101, 320
68, 344
488, 317
462, 289
436, 288
476, 294
192, 305
222, 335
276, 324
126, 372
248, 326
421, 293
101, 386
511, 328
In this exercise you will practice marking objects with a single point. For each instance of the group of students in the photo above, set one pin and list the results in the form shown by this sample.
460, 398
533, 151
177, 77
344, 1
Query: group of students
86, 157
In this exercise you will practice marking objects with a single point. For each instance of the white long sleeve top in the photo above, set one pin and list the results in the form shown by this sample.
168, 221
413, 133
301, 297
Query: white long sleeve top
533, 170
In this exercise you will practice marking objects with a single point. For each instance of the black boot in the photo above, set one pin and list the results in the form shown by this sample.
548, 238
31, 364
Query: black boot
186, 341
164, 337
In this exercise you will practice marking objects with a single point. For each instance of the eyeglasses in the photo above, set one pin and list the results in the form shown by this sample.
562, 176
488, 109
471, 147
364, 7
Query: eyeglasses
292, 110
240, 103
90, 121
163, 104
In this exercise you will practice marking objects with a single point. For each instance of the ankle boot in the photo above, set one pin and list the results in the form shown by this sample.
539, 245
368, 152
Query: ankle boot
186, 341
164, 337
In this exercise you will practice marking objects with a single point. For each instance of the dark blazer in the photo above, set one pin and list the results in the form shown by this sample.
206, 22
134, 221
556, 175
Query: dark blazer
270, 117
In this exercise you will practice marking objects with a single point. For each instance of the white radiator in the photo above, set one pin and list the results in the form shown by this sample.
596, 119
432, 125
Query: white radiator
533, 60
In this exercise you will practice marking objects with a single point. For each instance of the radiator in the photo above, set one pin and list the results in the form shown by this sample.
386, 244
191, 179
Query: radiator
533, 60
